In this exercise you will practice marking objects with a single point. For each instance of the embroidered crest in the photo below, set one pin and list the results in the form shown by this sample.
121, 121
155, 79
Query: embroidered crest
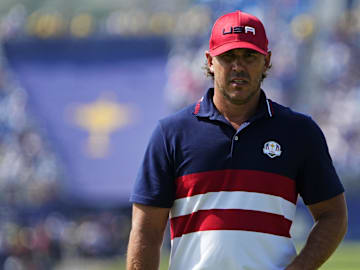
272, 149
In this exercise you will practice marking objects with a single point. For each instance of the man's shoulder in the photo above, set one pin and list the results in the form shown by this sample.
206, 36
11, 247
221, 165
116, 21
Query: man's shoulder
287, 114
184, 116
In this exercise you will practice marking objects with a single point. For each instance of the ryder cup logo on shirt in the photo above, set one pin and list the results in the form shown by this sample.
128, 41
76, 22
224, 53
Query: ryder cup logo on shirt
272, 149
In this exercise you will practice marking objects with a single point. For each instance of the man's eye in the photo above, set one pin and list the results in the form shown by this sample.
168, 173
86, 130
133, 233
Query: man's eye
228, 57
250, 55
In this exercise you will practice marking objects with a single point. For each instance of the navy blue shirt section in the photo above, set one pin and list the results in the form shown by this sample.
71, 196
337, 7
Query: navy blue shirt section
199, 139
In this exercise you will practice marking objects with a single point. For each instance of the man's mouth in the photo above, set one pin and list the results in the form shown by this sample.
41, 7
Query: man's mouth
239, 81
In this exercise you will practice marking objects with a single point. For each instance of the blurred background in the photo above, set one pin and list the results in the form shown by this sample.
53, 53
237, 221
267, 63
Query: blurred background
83, 83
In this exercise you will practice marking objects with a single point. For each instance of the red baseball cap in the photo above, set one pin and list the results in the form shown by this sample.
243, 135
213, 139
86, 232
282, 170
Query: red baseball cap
238, 30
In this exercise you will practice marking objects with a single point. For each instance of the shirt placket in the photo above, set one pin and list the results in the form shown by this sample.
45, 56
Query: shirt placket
235, 138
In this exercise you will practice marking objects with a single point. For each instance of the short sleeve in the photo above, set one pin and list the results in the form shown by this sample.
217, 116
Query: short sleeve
318, 180
154, 184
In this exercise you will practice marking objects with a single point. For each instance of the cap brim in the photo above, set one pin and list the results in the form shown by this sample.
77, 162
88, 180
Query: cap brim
236, 45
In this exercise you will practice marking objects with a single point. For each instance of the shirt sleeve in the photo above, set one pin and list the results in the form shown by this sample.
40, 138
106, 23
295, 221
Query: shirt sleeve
318, 179
154, 184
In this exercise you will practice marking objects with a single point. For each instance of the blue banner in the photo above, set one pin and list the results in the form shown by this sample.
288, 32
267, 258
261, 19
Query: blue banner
98, 102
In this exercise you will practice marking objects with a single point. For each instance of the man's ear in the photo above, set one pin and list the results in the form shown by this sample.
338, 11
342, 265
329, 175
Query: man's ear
209, 60
268, 60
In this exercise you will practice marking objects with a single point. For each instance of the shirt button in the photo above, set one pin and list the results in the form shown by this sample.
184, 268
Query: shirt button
236, 138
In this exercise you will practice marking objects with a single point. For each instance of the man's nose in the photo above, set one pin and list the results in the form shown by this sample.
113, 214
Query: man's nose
238, 64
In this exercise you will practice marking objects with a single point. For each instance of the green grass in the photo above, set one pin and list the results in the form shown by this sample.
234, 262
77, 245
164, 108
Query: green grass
120, 265
346, 257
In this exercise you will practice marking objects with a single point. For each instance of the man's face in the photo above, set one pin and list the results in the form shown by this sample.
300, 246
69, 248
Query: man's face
238, 74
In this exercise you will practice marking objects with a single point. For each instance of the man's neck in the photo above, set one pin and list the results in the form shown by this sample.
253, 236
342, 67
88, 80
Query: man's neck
236, 114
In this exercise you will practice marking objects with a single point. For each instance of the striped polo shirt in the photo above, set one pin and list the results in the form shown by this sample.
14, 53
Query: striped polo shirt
232, 193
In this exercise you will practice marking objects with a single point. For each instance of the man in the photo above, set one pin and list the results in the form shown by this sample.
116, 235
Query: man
228, 171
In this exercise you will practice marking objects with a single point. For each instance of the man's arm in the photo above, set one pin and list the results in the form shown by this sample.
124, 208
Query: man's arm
146, 236
330, 227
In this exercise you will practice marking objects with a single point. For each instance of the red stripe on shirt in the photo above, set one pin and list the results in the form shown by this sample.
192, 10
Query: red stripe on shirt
236, 180
197, 107
271, 107
230, 219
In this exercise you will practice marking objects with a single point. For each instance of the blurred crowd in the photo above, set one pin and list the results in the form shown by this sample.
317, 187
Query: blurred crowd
29, 172
42, 244
134, 18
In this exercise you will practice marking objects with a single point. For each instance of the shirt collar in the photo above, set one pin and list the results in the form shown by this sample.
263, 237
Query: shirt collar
206, 108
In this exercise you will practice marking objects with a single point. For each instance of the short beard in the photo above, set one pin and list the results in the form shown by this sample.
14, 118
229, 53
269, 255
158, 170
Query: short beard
240, 102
